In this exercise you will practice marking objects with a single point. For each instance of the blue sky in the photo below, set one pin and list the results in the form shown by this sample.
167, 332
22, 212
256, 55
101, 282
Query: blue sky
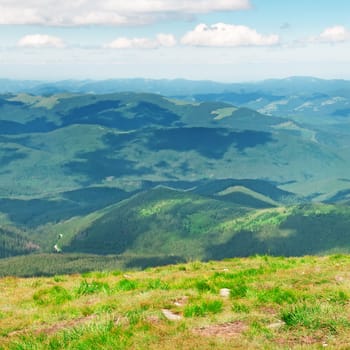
223, 40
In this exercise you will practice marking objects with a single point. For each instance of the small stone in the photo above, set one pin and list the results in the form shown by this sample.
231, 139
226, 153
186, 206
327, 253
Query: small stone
170, 315
276, 325
225, 292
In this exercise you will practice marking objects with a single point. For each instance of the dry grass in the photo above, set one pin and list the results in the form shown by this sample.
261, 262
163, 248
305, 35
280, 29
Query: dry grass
275, 303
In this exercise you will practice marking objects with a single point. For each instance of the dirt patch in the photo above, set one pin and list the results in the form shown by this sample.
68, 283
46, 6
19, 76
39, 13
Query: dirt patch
65, 324
54, 328
268, 310
224, 330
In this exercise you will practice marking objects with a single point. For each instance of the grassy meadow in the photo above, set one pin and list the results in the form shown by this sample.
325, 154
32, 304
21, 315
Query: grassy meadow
260, 302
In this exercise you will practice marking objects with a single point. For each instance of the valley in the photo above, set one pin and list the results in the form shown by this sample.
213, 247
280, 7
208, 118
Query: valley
139, 175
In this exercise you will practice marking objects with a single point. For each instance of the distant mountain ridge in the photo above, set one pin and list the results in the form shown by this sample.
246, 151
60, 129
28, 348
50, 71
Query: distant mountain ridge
173, 87
303, 99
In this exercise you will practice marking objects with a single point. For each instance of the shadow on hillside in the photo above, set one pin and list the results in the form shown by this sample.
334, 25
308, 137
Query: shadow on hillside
342, 112
37, 212
115, 114
209, 142
98, 165
238, 98
8, 127
149, 113
11, 156
312, 234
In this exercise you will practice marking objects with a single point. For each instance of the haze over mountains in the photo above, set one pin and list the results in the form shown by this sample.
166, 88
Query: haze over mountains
180, 168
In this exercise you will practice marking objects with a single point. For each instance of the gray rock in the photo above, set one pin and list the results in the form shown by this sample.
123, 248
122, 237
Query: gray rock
170, 315
225, 292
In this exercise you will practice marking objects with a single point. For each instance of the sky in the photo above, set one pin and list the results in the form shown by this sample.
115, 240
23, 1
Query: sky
222, 40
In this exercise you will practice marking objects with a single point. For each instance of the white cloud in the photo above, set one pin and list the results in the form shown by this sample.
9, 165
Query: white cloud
227, 35
161, 40
166, 40
96, 18
106, 12
331, 35
41, 41
334, 34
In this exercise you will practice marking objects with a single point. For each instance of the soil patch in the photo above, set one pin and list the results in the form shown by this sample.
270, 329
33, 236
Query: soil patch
54, 328
225, 330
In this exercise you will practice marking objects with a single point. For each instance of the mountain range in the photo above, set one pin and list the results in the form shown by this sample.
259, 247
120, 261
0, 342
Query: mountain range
177, 168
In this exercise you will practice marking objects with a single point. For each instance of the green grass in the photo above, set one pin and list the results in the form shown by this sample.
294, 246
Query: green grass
277, 295
125, 285
315, 317
278, 303
55, 295
240, 308
203, 309
93, 287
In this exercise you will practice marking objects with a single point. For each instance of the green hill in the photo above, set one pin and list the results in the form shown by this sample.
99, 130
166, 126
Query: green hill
15, 242
182, 223
161, 220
